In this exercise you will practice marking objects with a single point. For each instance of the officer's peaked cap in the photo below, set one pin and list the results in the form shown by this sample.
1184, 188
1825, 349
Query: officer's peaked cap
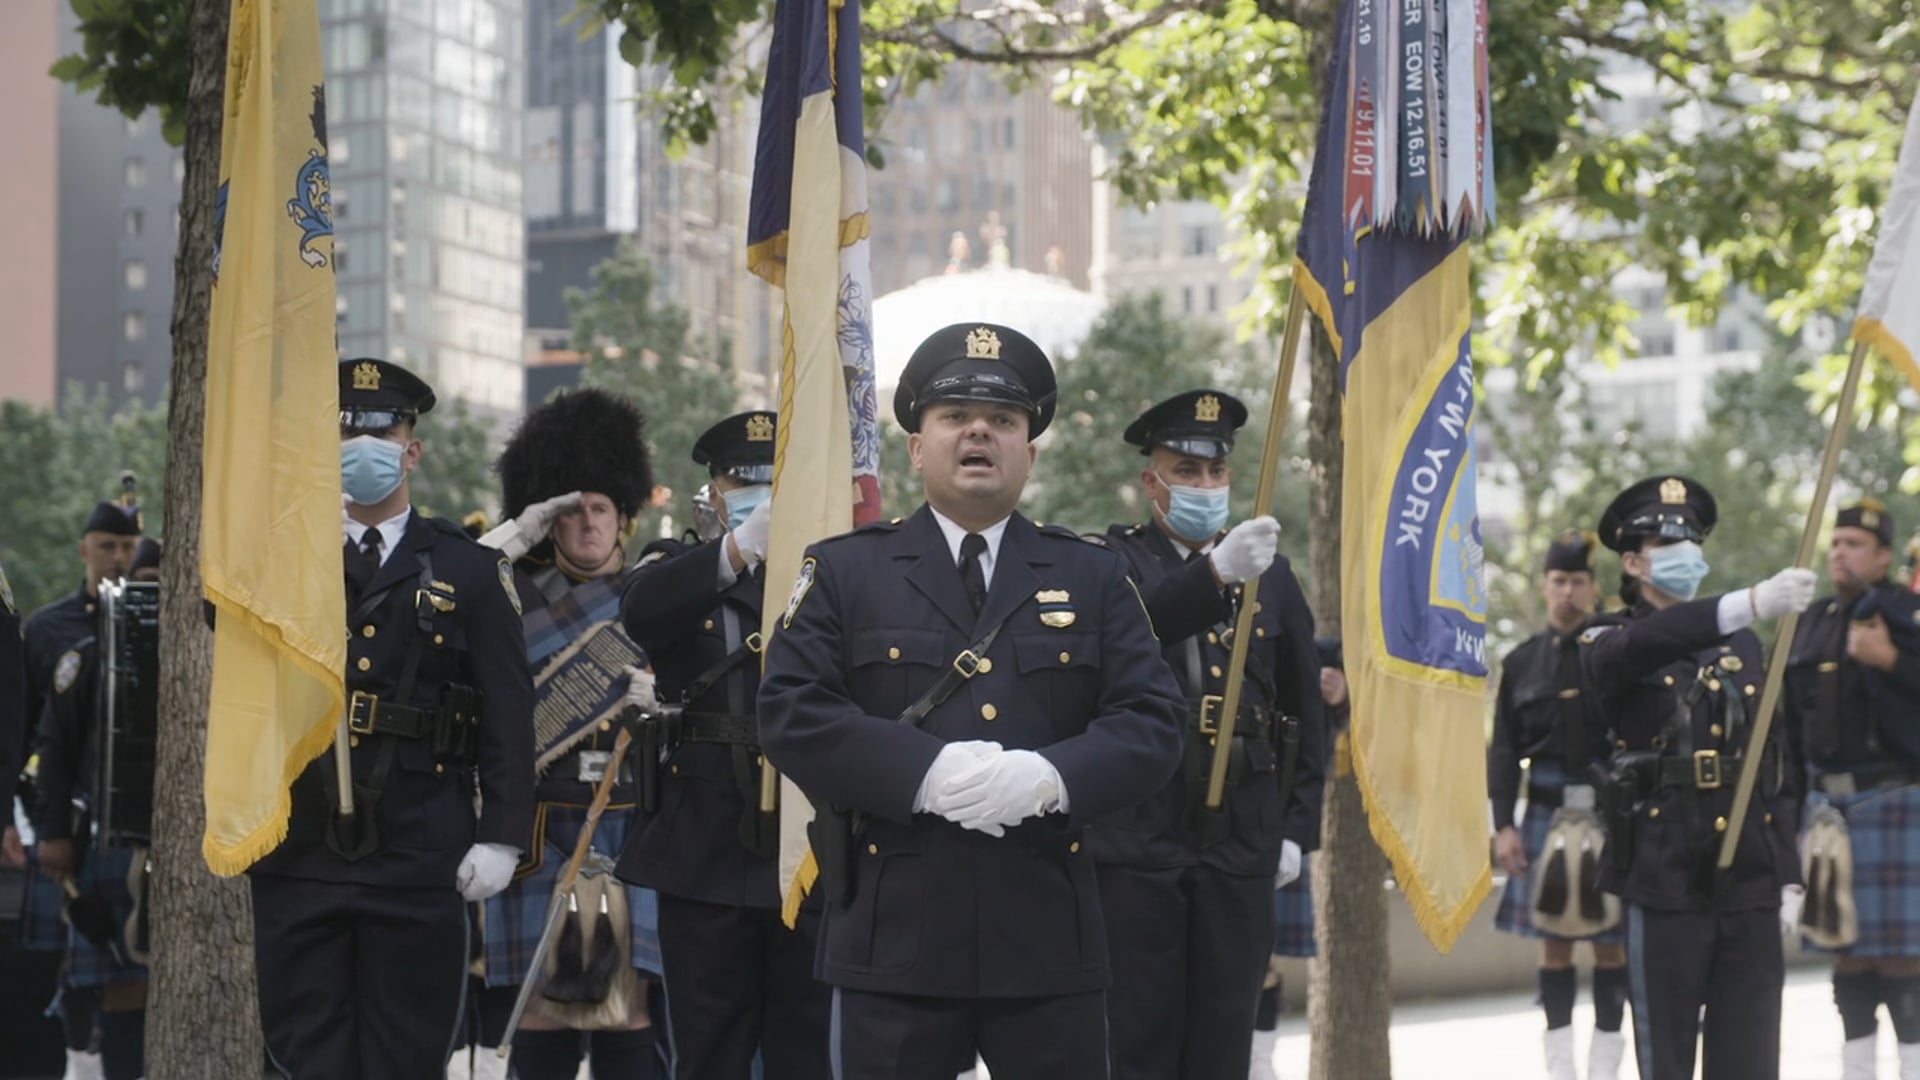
981, 362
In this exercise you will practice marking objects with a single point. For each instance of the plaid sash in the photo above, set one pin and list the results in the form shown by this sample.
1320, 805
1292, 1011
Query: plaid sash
578, 653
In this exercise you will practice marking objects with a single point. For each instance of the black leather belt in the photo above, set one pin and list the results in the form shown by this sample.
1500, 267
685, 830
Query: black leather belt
1254, 722
1869, 778
1705, 770
368, 715
727, 728
568, 769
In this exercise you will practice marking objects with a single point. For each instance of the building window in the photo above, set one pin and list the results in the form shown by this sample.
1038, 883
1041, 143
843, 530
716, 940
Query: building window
136, 274
1186, 299
1007, 132
1213, 298
134, 222
136, 172
1732, 340
133, 326
133, 378
1657, 345
136, 126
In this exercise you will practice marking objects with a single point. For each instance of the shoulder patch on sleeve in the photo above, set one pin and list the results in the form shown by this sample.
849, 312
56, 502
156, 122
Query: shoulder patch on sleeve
506, 582
802, 583
67, 670
1592, 633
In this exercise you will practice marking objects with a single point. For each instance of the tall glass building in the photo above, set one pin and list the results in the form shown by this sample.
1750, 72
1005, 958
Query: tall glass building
425, 103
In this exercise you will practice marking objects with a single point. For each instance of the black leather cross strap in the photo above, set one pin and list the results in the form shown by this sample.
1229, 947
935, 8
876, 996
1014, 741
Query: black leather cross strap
964, 667
729, 728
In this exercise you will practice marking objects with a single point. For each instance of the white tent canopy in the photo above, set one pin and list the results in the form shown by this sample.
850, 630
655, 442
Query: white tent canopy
1047, 309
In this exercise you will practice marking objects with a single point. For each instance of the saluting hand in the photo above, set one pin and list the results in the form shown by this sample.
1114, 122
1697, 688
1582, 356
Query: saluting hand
749, 541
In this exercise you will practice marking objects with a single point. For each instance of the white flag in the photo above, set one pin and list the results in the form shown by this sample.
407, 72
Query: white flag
1890, 304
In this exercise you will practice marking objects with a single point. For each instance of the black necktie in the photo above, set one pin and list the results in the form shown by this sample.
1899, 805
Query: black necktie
971, 572
363, 562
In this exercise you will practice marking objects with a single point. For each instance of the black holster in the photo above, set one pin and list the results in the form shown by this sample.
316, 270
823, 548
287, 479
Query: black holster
831, 836
653, 741
1622, 783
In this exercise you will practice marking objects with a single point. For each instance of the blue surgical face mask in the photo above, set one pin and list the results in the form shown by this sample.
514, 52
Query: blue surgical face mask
744, 501
1196, 513
370, 468
1677, 569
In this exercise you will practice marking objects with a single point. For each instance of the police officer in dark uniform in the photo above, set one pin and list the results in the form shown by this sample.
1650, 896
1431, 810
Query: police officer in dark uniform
107, 544
99, 963
738, 980
959, 693
15, 726
1853, 705
360, 929
1676, 681
1535, 715
1188, 894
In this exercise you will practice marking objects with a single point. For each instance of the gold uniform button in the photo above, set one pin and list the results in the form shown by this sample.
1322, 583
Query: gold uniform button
1768, 819
1668, 680
893, 654
1074, 847
1655, 812
1216, 670
708, 625
1066, 658
674, 769
988, 712
1713, 685
1719, 824
1259, 631
1213, 638
353, 740
439, 639
364, 664
1749, 689
1620, 744
439, 768
606, 725
986, 665
366, 631
1716, 731
873, 849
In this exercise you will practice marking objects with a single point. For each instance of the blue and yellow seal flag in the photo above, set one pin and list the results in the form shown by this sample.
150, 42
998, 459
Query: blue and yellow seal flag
1400, 181
270, 517
807, 232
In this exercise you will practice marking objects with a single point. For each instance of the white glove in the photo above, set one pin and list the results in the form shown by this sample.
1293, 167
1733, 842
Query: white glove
1791, 897
1785, 593
956, 759
486, 869
1013, 786
1246, 551
750, 539
1289, 871
641, 693
519, 536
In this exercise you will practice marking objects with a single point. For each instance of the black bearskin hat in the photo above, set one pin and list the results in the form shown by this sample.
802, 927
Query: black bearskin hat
582, 440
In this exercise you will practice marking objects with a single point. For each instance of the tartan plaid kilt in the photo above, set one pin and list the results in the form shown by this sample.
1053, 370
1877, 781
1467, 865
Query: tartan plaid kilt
516, 917
102, 873
1885, 828
1293, 914
1516, 900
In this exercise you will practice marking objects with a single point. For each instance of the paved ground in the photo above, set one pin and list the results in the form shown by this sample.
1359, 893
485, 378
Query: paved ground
1498, 1038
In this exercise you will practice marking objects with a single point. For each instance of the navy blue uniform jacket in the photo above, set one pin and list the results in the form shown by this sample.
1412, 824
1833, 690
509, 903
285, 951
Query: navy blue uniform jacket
1639, 664
690, 848
1187, 605
877, 617
426, 817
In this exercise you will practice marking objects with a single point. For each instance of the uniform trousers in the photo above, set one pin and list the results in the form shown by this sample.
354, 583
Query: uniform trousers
358, 981
900, 1037
738, 981
1189, 948
1729, 963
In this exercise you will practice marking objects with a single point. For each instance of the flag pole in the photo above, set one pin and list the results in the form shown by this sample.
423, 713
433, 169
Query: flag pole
1783, 644
1262, 505
343, 765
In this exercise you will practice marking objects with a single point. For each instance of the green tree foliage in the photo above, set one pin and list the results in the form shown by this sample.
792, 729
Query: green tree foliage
134, 54
455, 477
57, 465
640, 346
1763, 166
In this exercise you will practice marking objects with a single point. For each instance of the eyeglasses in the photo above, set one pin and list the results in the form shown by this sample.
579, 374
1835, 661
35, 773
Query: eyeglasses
749, 474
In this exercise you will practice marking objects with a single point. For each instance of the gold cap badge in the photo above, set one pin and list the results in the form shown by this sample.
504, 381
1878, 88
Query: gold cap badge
1870, 519
366, 376
983, 344
1207, 409
759, 429
1673, 492
1053, 596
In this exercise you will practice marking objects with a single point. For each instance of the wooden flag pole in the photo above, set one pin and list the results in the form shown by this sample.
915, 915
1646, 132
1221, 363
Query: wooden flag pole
1783, 644
1262, 505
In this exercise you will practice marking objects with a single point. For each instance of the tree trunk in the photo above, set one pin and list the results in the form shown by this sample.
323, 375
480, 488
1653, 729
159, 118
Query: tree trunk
202, 1021
1351, 977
